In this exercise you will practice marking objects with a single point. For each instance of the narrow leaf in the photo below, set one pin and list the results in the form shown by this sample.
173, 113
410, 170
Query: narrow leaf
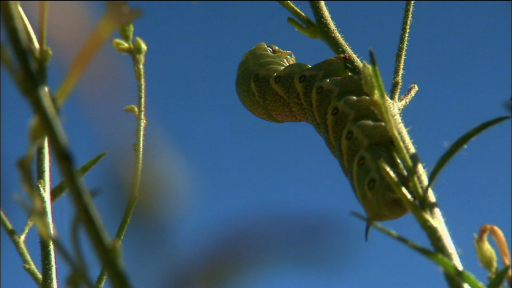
61, 188
459, 144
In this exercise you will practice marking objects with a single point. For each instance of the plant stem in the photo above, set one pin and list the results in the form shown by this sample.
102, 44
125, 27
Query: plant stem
138, 64
48, 261
330, 34
37, 93
28, 264
400, 53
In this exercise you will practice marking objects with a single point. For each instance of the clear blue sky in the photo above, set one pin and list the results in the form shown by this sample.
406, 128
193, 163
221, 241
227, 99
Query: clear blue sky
259, 204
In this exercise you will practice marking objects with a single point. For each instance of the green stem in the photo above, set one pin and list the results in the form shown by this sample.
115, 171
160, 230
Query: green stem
400, 53
48, 262
76, 269
138, 63
28, 264
331, 36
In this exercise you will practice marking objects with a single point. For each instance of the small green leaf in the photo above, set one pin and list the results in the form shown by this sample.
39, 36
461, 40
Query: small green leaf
126, 32
121, 46
140, 46
132, 109
459, 144
368, 84
61, 188
308, 27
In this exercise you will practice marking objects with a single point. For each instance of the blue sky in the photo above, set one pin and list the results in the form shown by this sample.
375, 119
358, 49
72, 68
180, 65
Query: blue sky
258, 204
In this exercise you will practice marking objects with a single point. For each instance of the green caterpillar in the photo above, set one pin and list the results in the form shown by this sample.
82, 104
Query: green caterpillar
274, 87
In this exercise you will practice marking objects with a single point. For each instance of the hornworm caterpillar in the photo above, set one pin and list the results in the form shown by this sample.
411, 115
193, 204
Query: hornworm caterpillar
274, 87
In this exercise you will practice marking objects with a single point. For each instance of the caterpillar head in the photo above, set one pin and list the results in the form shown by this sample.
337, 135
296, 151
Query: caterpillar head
263, 52
255, 74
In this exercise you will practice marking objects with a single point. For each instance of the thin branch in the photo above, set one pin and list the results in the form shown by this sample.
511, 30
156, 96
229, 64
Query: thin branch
331, 35
137, 51
28, 264
400, 53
